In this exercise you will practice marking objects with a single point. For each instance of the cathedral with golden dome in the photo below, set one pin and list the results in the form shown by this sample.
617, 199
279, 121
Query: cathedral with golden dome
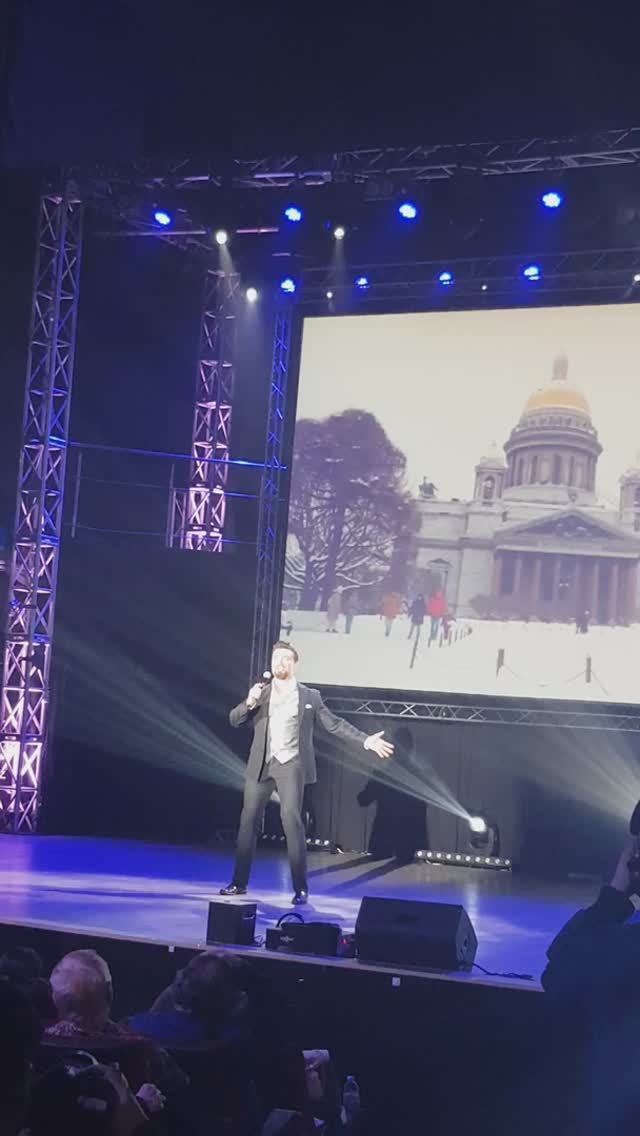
534, 541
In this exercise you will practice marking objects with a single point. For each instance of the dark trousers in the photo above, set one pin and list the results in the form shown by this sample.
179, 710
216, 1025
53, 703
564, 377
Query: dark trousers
288, 781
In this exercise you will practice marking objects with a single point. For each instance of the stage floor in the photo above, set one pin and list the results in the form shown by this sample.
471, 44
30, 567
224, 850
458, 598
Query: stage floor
159, 893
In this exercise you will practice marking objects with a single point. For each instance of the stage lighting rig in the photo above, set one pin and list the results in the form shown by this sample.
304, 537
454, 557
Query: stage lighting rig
288, 286
552, 199
484, 835
161, 217
339, 232
408, 210
478, 824
293, 213
462, 860
445, 278
221, 236
251, 295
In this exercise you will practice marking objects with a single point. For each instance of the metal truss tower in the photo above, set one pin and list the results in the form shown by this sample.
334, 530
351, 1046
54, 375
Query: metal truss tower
271, 521
24, 698
199, 511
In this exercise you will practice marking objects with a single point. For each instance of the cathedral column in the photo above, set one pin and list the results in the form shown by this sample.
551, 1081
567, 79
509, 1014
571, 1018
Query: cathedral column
496, 578
613, 592
557, 563
595, 584
632, 591
581, 596
517, 574
623, 591
535, 586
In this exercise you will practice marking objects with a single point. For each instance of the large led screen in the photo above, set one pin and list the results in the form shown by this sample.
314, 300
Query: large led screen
465, 503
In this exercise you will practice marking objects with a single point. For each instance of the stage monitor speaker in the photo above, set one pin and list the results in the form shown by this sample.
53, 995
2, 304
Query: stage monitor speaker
231, 922
408, 932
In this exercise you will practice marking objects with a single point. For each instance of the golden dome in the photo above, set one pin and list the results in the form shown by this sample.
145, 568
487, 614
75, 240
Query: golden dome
558, 395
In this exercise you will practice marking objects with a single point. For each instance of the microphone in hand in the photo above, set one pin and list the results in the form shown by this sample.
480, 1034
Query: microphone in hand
257, 688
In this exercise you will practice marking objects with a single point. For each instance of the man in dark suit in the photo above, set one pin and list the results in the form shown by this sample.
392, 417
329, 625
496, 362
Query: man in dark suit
283, 714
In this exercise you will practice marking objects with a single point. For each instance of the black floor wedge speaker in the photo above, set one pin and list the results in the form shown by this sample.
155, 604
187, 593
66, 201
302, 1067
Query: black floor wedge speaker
231, 922
408, 932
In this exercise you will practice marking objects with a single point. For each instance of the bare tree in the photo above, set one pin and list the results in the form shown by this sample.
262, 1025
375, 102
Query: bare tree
348, 504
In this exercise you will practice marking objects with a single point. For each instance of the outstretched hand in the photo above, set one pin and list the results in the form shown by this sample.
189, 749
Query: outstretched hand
377, 744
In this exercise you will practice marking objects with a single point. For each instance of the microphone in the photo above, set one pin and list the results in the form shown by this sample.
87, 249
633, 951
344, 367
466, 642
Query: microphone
266, 678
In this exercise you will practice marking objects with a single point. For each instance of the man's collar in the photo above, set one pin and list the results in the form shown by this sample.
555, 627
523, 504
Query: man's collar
291, 685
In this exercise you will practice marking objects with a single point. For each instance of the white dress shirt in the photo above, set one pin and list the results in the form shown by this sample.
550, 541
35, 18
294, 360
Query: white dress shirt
283, 744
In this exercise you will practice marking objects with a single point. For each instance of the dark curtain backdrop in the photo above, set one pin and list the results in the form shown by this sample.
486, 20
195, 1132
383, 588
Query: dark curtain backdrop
558, 796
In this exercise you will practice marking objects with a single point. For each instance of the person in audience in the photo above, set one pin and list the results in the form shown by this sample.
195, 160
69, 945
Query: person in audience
80, 1097
23, 968
592, 971
82, 991
203, 1003
19, 1040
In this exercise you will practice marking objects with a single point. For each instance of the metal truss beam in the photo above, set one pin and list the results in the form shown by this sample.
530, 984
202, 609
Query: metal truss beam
422, 163
579, 718
199, 512
24, 698
271, 520
587, 270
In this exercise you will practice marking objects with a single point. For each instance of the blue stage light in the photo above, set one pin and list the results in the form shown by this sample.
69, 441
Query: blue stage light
161, 217
408, 211
531, 272
445, 278
288, 285
552, 199
362, 282
293, 213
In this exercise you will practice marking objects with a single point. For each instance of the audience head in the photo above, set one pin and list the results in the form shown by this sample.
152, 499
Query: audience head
19, 1040
82, 990
21, 964
23, 967
205, 989
83, 1098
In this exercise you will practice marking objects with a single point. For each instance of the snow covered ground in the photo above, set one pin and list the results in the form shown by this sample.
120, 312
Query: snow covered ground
541, 659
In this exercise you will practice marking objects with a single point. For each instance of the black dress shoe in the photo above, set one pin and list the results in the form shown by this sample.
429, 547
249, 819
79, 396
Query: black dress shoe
233, 889
299, 898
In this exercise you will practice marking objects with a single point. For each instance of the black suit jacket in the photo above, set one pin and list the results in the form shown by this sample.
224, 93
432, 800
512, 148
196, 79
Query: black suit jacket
311, 709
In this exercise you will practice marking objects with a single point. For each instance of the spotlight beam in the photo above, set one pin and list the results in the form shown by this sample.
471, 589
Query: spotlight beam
142, 719
419, 781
